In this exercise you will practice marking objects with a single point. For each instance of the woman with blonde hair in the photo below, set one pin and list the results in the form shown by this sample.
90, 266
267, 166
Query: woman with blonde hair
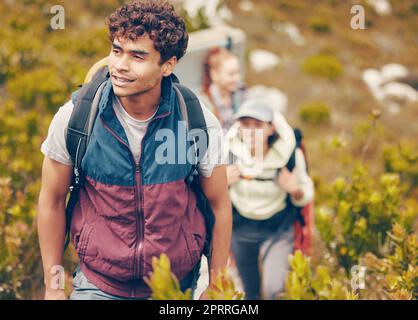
222, 89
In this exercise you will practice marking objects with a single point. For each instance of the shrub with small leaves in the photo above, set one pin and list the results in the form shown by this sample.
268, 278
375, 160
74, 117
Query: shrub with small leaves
304, 284
315, 113
402, 159
361, 214
20, 168
163, 283
323, 65
195, 23
399, 266
319, 24
224, 288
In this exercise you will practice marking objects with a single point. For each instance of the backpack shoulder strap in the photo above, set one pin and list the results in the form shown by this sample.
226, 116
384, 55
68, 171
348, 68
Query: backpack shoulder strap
83, 115
192, 112
290, 165
298, 136
196, 124
79, 129
301, 146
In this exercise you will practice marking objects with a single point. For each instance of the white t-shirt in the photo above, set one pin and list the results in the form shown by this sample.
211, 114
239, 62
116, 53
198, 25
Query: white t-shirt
135, 129
55, 147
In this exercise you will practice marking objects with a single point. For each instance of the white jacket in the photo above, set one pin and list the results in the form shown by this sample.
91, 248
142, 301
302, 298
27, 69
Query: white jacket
260, 200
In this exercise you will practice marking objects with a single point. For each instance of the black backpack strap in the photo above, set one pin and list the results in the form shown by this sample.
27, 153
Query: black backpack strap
193, 114
290, 165
78, 133
298, 136
82, 116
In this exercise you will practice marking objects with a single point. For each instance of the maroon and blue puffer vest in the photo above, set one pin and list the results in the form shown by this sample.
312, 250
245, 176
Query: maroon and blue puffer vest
129, 213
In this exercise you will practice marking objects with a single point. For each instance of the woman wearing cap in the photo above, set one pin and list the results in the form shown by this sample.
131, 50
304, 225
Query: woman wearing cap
264, 194
222, 89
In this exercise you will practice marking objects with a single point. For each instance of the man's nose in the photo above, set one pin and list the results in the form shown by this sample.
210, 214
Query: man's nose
122, 64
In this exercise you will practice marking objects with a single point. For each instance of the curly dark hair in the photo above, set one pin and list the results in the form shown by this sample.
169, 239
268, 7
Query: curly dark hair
158, 19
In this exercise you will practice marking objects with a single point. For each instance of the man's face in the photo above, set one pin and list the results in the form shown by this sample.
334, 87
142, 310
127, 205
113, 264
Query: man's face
135, 66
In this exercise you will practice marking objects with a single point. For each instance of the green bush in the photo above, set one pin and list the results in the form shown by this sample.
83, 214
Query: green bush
199, 22
165, 285
315, 113
399, 266
402, 159
326, 66
291, 6
361, 214
304, 284
319, 24
42, 87
20, 169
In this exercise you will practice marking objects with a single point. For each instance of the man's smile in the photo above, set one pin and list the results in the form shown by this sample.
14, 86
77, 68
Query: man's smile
121, 79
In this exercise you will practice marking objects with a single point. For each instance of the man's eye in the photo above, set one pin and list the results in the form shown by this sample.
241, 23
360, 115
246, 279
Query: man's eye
138, 57
115, 51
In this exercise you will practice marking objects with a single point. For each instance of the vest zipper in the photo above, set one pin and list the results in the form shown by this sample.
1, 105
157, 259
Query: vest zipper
137, 267
139, 221
140, 199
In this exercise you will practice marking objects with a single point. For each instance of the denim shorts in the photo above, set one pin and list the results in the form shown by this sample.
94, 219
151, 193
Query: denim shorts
85, 290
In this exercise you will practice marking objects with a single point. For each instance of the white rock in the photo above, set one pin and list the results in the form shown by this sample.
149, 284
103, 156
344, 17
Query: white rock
210, 8
400, 92
393, 107
225, 14
291, 31
246, 5
373, 79
390, 93
393, 71
262, 60
382, 7
273, 97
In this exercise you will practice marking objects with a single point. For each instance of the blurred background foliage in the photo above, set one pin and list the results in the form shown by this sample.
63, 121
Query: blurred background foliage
363, 159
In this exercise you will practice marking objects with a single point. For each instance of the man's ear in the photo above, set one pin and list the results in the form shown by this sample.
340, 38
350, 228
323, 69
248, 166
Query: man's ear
168, 66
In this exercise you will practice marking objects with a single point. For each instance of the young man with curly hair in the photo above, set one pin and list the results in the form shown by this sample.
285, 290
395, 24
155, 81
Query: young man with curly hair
130, 207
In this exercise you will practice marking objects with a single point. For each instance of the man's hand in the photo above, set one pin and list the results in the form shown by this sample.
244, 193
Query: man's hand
55, 294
